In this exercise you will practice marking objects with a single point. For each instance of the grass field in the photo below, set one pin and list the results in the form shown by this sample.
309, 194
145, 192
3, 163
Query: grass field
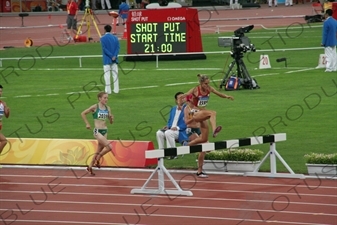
46, 96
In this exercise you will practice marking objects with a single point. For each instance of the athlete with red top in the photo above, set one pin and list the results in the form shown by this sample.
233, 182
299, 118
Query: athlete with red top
199, 97
4, 111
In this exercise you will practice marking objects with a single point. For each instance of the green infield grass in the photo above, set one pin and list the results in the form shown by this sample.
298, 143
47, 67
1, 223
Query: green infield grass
46, 95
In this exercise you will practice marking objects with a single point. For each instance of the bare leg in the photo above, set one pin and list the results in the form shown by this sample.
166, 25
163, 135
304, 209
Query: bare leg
203, 115
106, 147
93, 160
3, 142
203, 136
201, 161
201, 139
103, 147
106, 150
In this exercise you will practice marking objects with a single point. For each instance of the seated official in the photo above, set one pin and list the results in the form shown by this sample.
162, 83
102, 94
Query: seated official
175, 129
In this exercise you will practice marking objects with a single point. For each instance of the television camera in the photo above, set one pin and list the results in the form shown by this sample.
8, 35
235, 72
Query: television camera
239, 44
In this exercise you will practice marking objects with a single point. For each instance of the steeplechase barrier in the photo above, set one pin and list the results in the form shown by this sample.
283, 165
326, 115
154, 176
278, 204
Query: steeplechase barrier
160, 154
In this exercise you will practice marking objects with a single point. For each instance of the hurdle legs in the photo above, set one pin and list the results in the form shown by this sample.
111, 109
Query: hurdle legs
273, 154
161, 170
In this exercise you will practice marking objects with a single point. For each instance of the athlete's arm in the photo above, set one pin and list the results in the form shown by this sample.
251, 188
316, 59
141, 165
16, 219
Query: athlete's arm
221, 94
91, 109
111, 117
191, 91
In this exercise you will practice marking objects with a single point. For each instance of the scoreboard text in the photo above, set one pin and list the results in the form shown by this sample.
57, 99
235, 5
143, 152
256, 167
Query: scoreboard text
158, 37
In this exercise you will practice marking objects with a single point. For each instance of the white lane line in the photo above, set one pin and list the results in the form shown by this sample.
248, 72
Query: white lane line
254, 209
163, 215
308, 186
66, 222
180, 197
194, 189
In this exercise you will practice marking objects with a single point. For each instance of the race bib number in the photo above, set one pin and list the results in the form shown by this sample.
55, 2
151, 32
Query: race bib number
203, 101
102, 116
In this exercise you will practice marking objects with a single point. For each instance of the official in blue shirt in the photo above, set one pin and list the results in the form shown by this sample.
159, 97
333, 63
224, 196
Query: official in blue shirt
110, 50
329, 41
175, 128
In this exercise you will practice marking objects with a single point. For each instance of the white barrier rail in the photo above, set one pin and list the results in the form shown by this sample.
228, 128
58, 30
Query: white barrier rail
156, 55
161, 153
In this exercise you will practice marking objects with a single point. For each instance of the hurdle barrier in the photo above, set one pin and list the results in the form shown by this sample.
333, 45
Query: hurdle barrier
160, 154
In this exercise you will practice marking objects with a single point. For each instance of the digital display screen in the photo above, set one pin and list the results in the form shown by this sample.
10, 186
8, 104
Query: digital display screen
158, 37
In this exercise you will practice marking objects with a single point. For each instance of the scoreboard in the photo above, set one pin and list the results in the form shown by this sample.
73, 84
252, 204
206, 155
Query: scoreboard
171, 30
158, 37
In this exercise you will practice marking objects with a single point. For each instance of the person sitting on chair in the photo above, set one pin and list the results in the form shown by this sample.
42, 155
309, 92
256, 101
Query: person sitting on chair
175, 128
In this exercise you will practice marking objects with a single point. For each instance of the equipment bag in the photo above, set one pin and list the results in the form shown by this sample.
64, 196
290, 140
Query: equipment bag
233, 83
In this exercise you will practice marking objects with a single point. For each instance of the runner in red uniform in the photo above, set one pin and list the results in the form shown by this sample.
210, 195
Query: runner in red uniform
199, 97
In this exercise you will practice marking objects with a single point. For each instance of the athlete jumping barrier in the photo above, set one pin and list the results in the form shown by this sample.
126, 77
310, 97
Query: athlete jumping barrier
161, 153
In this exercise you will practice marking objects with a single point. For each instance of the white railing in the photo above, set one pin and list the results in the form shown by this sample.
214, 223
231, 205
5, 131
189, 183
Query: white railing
100, 56
156, 55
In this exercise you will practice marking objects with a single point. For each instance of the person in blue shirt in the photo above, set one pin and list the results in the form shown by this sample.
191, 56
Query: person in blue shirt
175, 129
110, 50
123, 11
329, 41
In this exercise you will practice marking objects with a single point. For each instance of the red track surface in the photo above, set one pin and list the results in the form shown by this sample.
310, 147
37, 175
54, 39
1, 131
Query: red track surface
36, 196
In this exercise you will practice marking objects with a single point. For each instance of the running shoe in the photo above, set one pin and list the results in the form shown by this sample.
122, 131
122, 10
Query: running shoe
217, 130
202, 175
97, 164
89, 170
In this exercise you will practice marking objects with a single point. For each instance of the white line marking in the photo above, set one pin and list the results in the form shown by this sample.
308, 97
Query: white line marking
65, 69
194, 189
176, 84
22, 96
173, 206
52, 94
296, 71
67, 222
164, 215
144, 179
180, 197
133, 88
267, 74
177, 69
156, 86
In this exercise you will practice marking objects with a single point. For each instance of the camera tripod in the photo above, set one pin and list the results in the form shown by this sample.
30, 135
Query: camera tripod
88, 15
241, 72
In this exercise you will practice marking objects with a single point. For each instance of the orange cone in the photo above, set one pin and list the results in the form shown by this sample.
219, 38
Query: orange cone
125, 34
